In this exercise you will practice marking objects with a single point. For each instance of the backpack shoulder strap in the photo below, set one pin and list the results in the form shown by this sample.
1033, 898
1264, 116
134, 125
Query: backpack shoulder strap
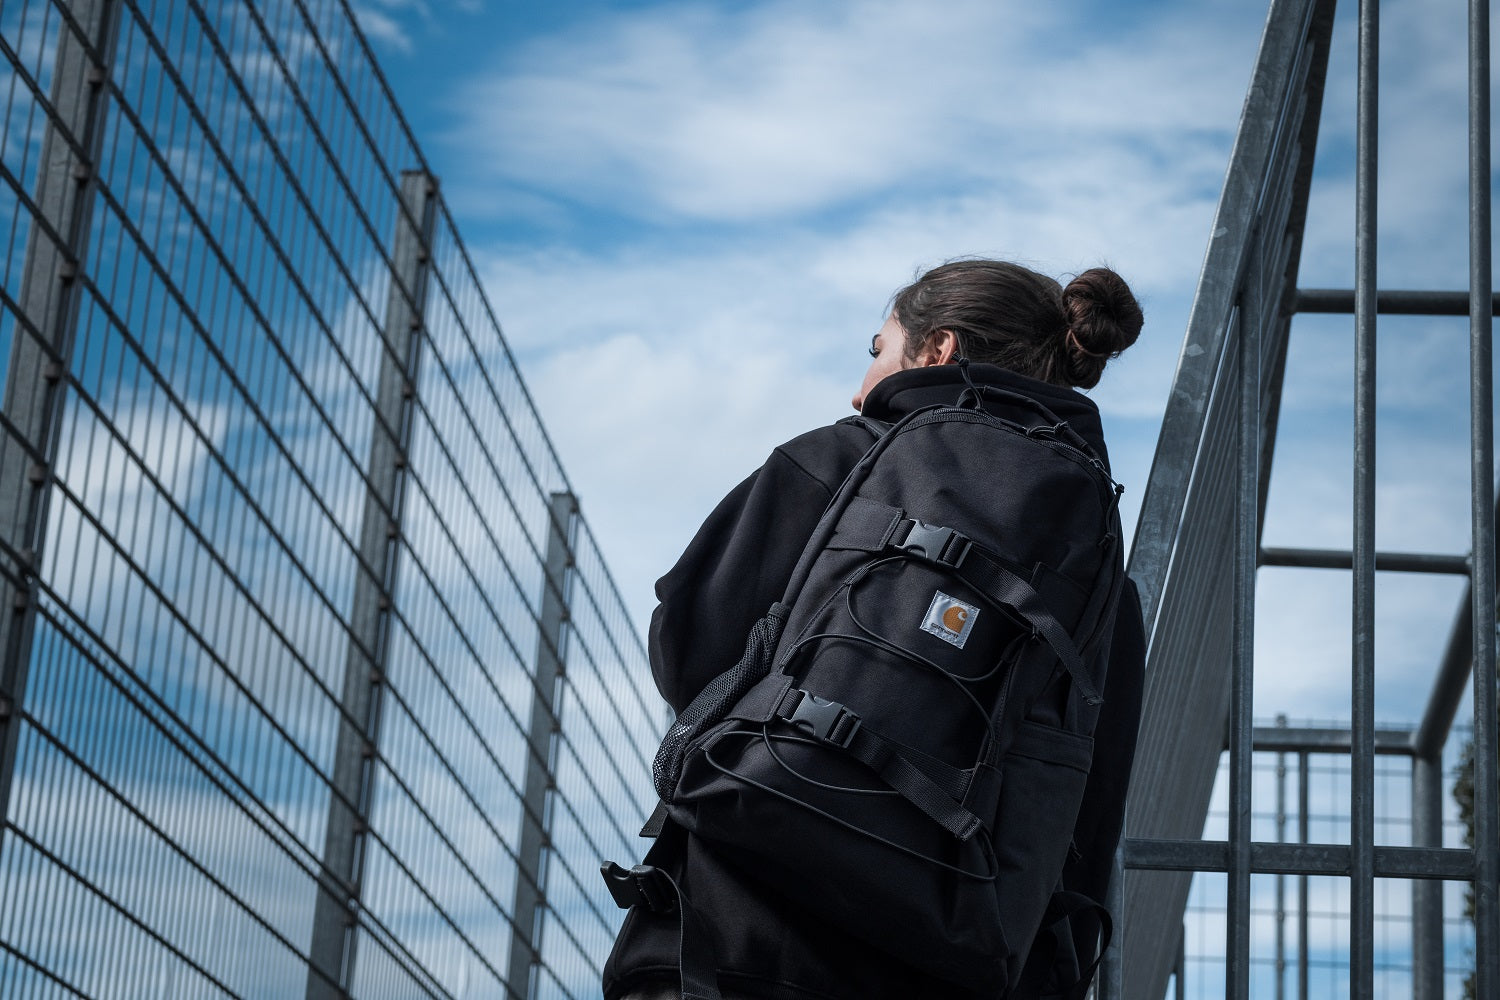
877, 428
831, 514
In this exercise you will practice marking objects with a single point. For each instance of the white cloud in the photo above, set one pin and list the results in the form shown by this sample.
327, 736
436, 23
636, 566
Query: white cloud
408, 27
781, 108
382, 27
664, 386
395, 23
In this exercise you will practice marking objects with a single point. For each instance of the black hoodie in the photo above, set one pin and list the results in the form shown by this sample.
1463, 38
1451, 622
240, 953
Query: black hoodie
734, 568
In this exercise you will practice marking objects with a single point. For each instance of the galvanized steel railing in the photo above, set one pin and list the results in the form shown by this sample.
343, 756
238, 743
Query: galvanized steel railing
1198, 547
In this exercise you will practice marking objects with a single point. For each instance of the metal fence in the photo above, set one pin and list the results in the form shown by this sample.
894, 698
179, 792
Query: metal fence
1198, 547
312, 679
1299, 923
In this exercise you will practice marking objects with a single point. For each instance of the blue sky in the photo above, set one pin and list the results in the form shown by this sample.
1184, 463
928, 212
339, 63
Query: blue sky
689, 218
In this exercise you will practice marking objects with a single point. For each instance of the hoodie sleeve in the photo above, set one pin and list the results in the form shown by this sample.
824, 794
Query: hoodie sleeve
735, 567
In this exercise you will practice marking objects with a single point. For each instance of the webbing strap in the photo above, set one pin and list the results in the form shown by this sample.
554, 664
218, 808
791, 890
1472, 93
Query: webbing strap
866, 525
653, 826
1003, 586
975, 789
695, 953
982, 797
937, 793
760, 703
914, 786
942, 792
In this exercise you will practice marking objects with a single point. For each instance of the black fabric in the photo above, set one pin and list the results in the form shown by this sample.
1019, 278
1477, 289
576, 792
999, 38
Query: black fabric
736, 567
1054, 970
653, 890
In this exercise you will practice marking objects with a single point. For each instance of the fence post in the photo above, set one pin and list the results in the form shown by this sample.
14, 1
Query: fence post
1481, 450
541, 760
1362, 665
42, 341
335, 914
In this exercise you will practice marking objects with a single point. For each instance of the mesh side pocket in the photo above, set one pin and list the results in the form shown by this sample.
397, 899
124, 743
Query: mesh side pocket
716, 699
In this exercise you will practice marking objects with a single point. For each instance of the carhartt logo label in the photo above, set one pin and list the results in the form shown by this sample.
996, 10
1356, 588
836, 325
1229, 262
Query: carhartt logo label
950, 619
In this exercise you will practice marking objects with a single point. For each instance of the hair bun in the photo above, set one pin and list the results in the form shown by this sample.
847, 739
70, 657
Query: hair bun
1103, 320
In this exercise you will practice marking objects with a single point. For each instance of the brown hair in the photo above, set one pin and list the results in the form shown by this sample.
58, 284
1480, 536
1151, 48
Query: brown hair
1009, 315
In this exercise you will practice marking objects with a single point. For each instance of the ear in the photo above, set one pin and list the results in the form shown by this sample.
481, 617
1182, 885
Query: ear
939, 349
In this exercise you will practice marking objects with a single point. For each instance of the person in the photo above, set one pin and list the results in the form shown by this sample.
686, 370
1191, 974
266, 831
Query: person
1021, 331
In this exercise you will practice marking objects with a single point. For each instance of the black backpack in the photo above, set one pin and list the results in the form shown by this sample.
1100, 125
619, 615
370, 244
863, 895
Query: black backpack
903, 746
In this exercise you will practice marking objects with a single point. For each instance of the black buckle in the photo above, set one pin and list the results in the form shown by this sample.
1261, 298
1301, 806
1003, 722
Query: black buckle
642, 885
930, 541
821, 717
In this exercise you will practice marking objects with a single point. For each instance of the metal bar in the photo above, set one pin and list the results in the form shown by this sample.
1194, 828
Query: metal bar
530, 898
1427, 897
1110, 981
332, 953
1362, 681
1203, 345
1428, 788
33, 403
1385, 562
1241, 701
1391, 742
1179, 990
1389, 302
1481, 444
1281, 879
1453, 672
1308, 86
1300, 859
1303, 797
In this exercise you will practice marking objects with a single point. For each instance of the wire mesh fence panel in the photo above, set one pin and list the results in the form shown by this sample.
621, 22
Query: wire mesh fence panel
277, 516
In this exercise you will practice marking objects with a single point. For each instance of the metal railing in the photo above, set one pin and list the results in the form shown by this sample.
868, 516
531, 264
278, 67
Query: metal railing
1198, 544
1300, 922
312, 678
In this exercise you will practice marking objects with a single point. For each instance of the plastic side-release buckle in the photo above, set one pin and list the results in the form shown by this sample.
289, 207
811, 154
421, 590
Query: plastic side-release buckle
935, 543
642, 885
828, 720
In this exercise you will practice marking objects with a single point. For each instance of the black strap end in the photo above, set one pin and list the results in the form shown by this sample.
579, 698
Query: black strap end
655, 821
